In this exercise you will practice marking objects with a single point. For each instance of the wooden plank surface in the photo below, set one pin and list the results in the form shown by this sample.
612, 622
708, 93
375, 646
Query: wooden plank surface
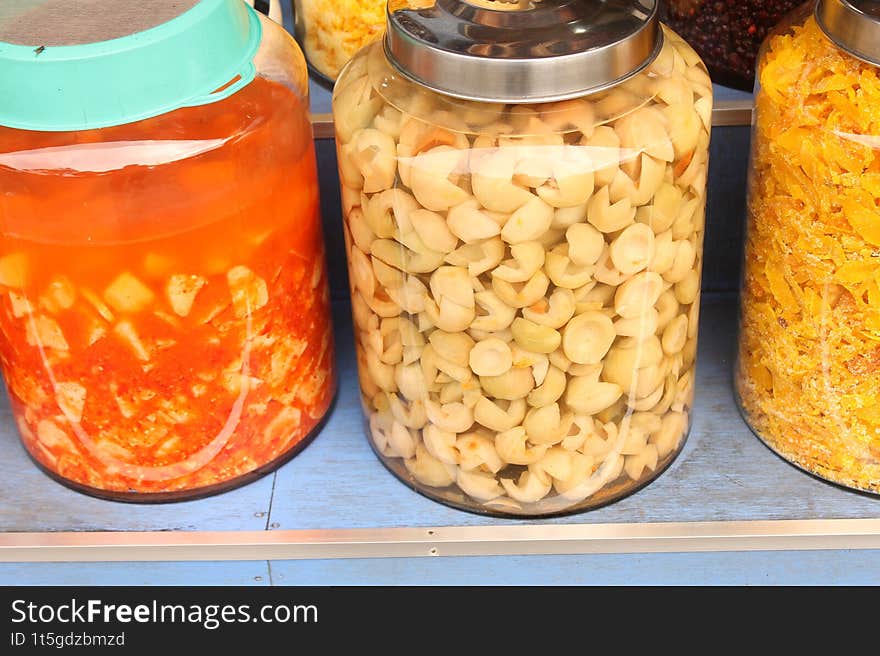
753, 568
255, 573
29, 500
757, 568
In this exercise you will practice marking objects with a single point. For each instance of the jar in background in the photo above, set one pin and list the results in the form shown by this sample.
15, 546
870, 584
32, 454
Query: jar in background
726, 33
164, 319
524, 228
270, 8
808, 376
332, 31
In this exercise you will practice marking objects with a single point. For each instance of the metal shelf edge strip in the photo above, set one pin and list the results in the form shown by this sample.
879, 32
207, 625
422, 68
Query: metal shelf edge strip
727, 113
688, 537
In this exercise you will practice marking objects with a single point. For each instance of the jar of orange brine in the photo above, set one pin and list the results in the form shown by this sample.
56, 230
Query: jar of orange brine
808, 377
164, 306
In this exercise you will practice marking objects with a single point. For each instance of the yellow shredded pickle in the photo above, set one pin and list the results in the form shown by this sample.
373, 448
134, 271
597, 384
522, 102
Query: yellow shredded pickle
808, 376
336, 29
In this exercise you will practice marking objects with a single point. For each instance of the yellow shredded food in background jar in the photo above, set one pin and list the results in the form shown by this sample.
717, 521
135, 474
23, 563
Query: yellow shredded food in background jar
334, 30
809, 362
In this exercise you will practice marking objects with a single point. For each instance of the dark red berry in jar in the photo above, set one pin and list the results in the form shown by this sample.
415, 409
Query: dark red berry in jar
726, 33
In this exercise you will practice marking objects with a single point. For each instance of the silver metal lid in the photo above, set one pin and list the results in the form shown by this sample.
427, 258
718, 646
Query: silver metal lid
524, 51
853, 25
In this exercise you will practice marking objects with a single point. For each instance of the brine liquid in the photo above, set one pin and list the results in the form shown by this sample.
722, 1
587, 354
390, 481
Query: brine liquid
164, 318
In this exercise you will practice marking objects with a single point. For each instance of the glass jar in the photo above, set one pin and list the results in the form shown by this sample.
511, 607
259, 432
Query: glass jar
808, 376
726, 34
332, 31
270, 8
164, 318
525, 264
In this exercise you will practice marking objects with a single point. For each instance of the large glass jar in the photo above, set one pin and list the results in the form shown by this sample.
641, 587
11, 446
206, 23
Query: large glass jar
164, 321
332, 31
525, 277
727, 34
808, 376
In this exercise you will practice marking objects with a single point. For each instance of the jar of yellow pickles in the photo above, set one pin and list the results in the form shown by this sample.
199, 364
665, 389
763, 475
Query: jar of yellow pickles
332, 31
808, 376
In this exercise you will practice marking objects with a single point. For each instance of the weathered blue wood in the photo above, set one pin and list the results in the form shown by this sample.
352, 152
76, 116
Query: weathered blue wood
752, 568
31, 501
320, 96
186, 574
726, 208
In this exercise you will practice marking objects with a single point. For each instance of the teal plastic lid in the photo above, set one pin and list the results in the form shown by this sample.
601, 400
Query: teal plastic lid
198, 57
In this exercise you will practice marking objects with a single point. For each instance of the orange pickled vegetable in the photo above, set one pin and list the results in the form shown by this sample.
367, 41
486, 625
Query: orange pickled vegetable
164, 307
809, 361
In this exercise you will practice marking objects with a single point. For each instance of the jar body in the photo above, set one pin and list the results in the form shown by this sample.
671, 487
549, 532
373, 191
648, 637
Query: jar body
165, 329
727, 35
331, 32
807, 376
525, 281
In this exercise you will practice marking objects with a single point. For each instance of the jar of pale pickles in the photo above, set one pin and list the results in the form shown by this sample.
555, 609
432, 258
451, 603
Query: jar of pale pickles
808, 375
523, 187
164, 313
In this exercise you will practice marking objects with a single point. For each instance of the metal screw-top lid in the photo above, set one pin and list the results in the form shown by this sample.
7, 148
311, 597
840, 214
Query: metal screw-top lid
853, 25
523, 51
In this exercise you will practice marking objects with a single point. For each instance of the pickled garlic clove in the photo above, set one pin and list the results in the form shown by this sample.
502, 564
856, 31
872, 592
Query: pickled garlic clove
100, 307
531, 487
482, 487
430, 178
53, 437
249, 291
21, 306
60, 295
126, 331
71, 399
440, 444
636, 464
476, 450
44, 332
181, 292
428, 470
513, 447
127, 294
